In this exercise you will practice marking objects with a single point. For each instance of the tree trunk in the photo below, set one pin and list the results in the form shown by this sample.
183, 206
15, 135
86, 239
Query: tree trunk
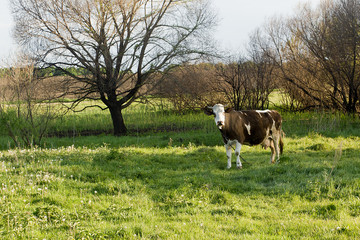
118, 121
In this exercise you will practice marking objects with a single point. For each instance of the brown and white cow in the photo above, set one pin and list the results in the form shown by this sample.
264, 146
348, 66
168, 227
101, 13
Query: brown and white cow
250, 127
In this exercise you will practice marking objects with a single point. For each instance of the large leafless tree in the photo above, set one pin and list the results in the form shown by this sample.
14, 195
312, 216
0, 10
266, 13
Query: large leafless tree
118, 43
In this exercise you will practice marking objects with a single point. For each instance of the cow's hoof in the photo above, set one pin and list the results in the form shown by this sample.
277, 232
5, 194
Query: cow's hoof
239, 167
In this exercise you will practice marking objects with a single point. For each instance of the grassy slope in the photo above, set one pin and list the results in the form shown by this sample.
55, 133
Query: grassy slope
148, 186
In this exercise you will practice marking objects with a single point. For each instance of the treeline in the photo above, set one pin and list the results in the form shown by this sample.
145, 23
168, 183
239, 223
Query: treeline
313, 58
316, 54
240, 84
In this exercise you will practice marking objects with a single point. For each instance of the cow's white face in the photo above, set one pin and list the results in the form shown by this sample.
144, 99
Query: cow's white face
219, 112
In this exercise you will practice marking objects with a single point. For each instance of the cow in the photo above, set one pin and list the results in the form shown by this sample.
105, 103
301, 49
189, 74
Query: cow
251, 127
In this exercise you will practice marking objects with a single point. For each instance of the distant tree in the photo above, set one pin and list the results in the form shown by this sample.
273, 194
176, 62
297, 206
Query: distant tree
119, 44
317, 53
263, 75
190, 86
247, 81
233, 81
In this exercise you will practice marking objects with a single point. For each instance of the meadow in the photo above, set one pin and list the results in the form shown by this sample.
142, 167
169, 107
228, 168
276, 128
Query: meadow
168, 180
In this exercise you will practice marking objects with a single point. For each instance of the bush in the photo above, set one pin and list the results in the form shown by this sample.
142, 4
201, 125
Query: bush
27, 117
190, 87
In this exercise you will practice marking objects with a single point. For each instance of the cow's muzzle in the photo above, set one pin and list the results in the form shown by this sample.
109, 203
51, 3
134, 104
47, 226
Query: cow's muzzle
220, 124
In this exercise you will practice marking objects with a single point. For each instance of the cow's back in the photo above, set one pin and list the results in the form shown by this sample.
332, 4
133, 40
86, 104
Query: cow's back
250, 127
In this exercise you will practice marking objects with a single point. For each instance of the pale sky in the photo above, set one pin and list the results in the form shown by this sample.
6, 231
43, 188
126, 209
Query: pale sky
238, 19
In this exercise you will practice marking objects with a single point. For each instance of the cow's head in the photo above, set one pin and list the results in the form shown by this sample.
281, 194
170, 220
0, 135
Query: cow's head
218, 110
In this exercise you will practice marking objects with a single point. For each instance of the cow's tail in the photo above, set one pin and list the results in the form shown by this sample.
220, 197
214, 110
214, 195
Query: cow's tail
281, 143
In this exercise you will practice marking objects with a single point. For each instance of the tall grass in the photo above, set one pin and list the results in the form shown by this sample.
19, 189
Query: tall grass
154, 117
159, 120
321, 122
138, 118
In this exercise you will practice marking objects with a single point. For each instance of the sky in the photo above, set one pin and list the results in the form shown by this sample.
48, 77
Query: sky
237, 20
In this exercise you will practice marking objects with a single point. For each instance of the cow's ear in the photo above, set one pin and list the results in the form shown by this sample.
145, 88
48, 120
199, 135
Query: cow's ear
208, 111
229, 110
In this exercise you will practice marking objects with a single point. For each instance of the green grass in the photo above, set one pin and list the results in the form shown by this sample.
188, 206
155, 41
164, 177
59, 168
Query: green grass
175, 185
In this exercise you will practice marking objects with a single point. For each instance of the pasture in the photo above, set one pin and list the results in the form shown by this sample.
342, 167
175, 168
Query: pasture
168, 180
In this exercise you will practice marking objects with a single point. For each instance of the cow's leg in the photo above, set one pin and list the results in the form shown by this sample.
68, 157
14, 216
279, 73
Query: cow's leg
277, 148
237, 153
228, 154
272, 148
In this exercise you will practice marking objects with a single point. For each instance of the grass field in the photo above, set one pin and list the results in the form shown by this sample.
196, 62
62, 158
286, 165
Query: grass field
173, 183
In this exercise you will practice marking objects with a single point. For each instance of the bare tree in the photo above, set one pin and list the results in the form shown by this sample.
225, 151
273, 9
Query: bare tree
246, 82
263, 77
317, 52
233, 81
118, 43
341, 55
